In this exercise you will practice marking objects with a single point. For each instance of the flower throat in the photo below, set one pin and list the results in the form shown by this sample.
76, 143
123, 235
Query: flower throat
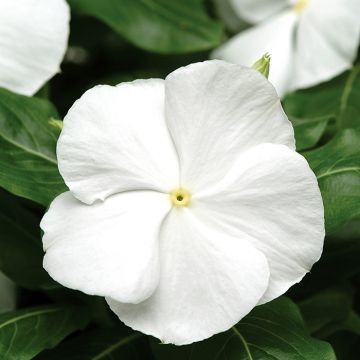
180, 197
301, 5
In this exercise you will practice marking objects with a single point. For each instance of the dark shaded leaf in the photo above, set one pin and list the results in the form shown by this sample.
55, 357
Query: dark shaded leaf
25, 333
28, 165
339, 261
157, 25
21, 252
114, 344
330, 306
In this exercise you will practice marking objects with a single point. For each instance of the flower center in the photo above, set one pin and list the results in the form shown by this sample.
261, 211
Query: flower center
300, 5
180, 197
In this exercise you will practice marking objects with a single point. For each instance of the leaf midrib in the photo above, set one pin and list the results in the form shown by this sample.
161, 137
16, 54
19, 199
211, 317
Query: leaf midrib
28, 150
244, 342
343, 170
27, 315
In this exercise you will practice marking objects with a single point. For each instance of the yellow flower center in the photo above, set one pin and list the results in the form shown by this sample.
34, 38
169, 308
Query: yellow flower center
301, 5
180, 197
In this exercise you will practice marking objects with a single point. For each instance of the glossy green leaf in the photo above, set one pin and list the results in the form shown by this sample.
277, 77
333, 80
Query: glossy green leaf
157, 25
312, 109
274, 331
308, 131
99, 344
25, 333
21, 252
28, 165
337, 167
328, 307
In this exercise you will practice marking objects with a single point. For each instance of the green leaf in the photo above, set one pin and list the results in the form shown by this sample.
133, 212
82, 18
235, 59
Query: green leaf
337, 167
312, 109
342, 253
274, 331
330, 306
21, 252
308, 131
25, 333
157, 25
349, 109
28, 166
101, 345
340, 259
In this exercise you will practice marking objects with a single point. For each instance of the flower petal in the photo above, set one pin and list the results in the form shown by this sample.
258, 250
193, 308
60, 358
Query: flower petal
272, 196
109, 248
255, 11
327, 41
7, 294
275, 37
209, 281
216, 110
115, 139
34, 35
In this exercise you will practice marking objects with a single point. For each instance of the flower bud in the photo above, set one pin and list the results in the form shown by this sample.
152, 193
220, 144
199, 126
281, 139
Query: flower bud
263, 65
57, 124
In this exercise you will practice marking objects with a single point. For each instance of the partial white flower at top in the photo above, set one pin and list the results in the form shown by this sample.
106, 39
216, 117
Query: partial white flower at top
188, 205
7, 294
310, 41
33, 41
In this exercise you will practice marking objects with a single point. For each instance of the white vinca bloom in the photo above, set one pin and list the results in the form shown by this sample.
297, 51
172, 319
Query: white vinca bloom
188, 205
310, 41
33, 41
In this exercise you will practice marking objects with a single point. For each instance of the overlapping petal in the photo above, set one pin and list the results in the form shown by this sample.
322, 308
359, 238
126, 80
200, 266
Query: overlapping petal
327, 41
275, 37
116, 139
209, 281
271, 197
33, 40
217, 110
255, 11
108, 248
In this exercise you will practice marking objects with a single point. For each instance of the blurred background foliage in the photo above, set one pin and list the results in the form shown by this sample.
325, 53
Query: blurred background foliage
113, 41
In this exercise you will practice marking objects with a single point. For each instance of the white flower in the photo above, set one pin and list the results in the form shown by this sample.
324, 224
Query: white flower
7, 294
33, 40
188, 205
310, 41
